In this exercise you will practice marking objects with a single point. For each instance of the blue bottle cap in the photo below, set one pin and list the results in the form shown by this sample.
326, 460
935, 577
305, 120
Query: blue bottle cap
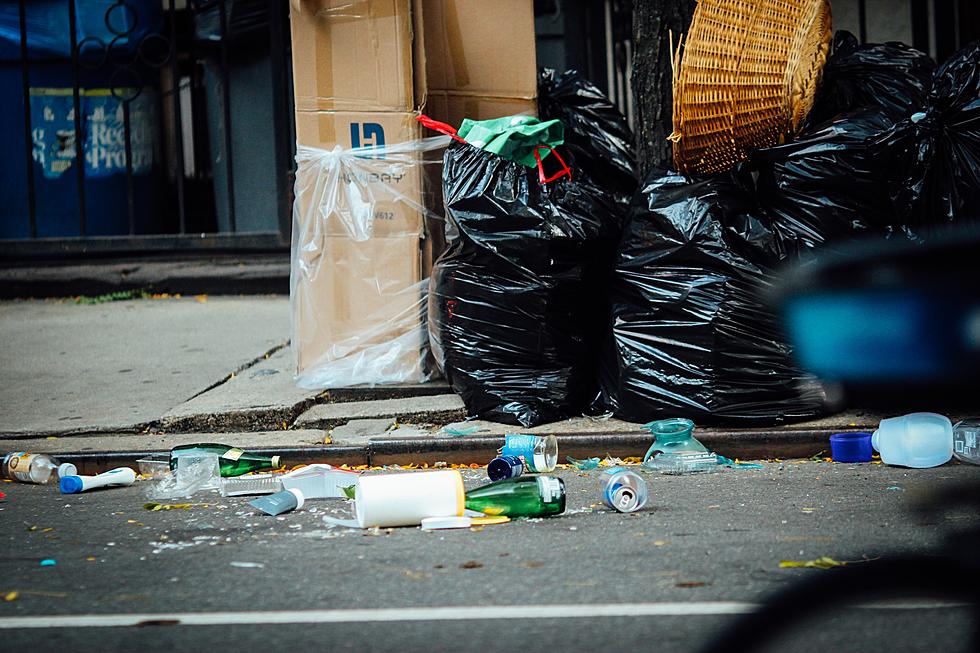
70, 485
850, 447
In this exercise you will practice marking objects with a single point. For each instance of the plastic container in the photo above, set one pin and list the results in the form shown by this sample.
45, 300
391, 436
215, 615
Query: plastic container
683, 463
850, 447
154, 466
320, 481
280, 502
916, 440
251, 484
539, 452
406, 499
623, 490
117, 477
36, 468
966, 441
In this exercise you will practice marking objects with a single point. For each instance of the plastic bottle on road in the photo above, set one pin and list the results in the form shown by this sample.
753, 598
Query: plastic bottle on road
36, 468
524, 496
231, 460
966, 440
914, 440
623, 490
72, 484
539, 452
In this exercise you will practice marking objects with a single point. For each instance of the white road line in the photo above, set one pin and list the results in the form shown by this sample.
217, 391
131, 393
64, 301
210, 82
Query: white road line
463, 613
467, 613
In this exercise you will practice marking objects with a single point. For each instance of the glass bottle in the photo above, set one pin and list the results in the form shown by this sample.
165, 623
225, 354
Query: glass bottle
524, 496
231, 460
36, 468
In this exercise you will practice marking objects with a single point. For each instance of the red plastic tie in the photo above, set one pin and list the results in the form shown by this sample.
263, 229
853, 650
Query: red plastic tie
561, 173
441, 127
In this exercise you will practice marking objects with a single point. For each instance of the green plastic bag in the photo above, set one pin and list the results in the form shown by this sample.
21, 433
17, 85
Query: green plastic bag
514, 138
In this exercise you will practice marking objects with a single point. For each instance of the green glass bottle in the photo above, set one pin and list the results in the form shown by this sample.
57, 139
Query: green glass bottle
524, 496
232, 460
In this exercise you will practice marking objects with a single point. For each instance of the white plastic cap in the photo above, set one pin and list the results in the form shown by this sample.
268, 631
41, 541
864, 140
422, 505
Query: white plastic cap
300, 500
434, 523
874, 441
67, 469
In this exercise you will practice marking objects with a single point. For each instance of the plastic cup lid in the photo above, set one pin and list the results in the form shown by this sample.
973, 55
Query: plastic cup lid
433, 523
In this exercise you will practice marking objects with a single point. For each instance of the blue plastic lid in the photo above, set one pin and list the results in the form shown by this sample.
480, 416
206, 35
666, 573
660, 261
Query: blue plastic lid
850, 447
71, 485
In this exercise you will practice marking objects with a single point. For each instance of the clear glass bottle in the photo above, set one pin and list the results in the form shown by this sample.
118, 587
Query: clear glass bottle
966, 440
524, 496
231, 460
36, 468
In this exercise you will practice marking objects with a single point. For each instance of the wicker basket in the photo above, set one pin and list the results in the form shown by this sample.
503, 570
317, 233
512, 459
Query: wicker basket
747, 78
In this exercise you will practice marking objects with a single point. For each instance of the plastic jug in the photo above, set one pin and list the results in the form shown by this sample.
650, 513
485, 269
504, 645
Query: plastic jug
914, 440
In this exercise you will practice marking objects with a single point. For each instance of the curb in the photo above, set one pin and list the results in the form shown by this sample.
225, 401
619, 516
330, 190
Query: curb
467, 450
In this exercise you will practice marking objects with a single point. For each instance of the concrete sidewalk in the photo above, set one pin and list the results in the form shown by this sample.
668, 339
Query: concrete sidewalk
141, 375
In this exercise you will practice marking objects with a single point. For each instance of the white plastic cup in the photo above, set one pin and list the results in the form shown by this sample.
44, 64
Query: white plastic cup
915, 440
406, 499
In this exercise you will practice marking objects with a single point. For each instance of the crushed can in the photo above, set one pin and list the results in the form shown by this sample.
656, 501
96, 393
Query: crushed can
503, 467
623, 490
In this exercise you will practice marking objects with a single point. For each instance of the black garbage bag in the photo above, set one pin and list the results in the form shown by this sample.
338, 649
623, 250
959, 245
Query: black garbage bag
937, 151
891, 77
596, 132
516, 302
690, 335
831, 184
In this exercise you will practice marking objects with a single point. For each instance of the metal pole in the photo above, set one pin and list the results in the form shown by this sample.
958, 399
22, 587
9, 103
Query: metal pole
128, 136
229, 172
863, 20
178, 123
282, 117
28, 132
77, 112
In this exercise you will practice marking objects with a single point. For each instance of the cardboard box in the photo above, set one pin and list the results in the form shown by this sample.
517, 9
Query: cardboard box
359, 310
362, 70
352, 55
481, 49
391, 185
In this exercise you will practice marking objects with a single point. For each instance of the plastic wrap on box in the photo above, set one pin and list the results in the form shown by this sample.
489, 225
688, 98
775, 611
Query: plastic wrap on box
356, 287
690, 335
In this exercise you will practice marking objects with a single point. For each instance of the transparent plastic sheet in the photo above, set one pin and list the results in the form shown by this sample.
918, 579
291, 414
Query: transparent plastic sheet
516, 302
690, 335
357, 289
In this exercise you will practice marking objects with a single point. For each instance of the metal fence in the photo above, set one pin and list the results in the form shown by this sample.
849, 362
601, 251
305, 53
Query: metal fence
144, 125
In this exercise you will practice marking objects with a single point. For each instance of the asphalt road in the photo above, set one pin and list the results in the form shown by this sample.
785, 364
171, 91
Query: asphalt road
667, 578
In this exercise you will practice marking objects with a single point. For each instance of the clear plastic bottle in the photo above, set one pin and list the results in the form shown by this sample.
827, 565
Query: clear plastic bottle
915, 440
966, 440
38, 468
539, 452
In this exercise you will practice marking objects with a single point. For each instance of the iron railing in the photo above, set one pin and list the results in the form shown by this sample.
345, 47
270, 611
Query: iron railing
132, 121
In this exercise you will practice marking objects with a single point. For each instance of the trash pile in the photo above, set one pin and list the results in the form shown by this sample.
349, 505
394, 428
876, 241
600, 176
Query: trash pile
521, 479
